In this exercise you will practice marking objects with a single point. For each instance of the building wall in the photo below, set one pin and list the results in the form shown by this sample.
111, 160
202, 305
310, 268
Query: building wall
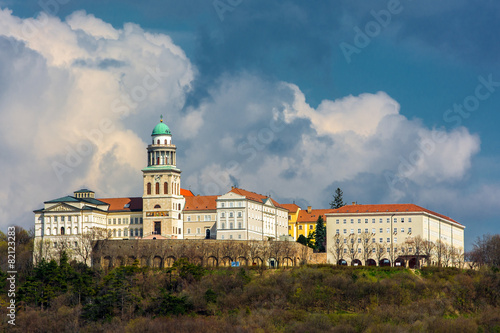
393, 229
197, 222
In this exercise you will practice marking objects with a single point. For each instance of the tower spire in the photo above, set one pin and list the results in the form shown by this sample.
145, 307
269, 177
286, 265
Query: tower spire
161, 118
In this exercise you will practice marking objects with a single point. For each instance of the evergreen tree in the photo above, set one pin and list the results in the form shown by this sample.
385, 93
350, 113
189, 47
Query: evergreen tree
338, 200
302, 240
320, 235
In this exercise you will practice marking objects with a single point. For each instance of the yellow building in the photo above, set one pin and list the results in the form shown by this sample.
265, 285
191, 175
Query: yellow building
293, 214
306, 220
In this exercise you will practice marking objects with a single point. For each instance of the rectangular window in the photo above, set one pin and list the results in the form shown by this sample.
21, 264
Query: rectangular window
345, 231
69, 218
359, 220
388, 250
136, 220
409, 230
366, 230
188, 218
359, 240
114, 221
337, 221
395, 220
222, 237
395, 239
222, 206
373, 240
352, 231
239, 236
373, 220
140, 220
381, 230
62, 218
395, 230
388, 230
381, 240
409, 220
119, 220
310, 226
188, 230
359, 231
380, 221
344, 221
109, 221
402, 220
402, 229
345, 250
230, 236
198, 231
207, 217
359, 250
352, 221
345, 241
388, 220
239, 225
300, 227
373, 250
337, 231
388, 240
373, 230
198, 218
366, 220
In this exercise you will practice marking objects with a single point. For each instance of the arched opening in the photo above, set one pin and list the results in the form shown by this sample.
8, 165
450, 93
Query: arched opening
371, 262
287, 262
412, 263
207, 233
157, 188
149, 188
384, 262
157, 262
256, 261
62, 230
356, 262
165, 188
169, 261
212, 262
342, 262
158, 142
399, 262
157, 206
226, 262
273, 263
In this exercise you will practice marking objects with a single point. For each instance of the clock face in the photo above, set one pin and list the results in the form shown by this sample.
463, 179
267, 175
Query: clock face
157, 178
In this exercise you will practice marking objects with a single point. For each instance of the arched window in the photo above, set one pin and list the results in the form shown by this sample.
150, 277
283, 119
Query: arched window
157, 188
179, 216
119, 232
179, 206
173, 190
166, 142
231, 225
157, 142
48, 231
114, 233
62, 230
136, 232
149, 188
157, 206
165, 188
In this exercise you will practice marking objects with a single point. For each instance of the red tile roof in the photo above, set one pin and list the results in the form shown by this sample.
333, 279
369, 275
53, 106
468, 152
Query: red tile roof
388, 208
201, 202
254, 196
186, 193
118, 204
292, 208
304, 216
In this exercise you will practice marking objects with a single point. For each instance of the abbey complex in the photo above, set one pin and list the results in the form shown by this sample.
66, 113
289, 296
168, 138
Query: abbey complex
239, 227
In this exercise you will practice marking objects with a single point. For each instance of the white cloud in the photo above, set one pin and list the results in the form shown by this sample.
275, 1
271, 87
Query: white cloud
68, 89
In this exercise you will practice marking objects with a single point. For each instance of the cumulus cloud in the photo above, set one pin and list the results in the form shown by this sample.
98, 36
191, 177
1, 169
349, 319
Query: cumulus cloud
68, 89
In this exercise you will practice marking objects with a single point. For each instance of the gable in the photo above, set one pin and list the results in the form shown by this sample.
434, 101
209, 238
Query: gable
62, 207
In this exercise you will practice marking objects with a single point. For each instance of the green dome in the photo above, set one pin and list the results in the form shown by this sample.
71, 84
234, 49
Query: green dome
161, 129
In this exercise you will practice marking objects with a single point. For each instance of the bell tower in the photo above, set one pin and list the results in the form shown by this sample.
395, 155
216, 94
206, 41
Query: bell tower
162, 200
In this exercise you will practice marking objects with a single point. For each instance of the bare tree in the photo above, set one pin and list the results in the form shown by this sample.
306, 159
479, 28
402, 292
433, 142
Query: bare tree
86, 241
337, 247
366, 245
41, 250
440, 251
486, 251
352, 247
428, 250
380, 251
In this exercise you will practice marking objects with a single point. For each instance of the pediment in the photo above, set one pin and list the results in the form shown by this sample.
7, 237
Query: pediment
231, 195
62, 207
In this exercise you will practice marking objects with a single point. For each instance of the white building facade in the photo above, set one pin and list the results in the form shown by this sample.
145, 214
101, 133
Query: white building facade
395, 233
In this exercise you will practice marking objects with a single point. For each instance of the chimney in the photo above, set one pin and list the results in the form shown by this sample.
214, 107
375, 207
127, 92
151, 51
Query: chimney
232, 187
309, 209
354, 203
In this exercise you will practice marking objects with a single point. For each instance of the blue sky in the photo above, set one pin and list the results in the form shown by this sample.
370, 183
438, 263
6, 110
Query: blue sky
259, 94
